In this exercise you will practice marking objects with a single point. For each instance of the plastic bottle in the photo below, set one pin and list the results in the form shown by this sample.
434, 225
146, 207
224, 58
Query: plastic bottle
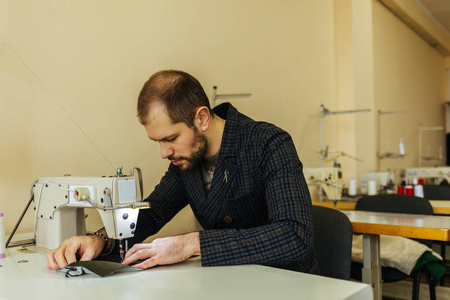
2, 237
352, 187
418, 188
401, 147
401, 187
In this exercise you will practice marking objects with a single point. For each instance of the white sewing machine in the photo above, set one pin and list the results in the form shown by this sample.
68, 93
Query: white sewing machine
437, 174
383, 180
329, 179
60, 203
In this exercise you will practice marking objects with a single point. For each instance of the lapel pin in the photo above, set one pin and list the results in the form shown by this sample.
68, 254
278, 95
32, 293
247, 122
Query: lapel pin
225, 177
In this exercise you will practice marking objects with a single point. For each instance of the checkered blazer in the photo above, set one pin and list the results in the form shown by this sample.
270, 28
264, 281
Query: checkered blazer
258, 210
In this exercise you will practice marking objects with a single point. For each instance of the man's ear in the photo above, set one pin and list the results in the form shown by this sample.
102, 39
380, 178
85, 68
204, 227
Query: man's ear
202, 118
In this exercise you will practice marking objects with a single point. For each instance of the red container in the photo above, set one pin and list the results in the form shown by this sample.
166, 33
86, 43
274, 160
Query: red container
400, 189
409, 190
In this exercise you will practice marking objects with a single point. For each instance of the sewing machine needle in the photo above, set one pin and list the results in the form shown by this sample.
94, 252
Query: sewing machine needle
121, 252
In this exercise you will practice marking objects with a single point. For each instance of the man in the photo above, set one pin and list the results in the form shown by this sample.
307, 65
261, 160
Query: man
243, 180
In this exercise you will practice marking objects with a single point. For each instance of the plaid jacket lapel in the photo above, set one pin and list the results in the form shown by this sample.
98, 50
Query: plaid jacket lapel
225, 171
223, 177
194, 186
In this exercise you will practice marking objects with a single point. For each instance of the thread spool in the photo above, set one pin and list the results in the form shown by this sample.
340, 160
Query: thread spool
418, 191
2, 237
372, 188
352, 187
401, 147
409, 190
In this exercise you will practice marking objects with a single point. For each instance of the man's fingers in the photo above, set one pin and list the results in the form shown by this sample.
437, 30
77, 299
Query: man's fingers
148, 263
87, 255
137, 255
60, 259
88, 247
51, 262
136, 248
70, 253
130, 258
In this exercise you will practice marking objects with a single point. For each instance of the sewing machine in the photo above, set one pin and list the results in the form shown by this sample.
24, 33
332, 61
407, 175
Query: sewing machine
329, 179
60, 203
384, 182
436, 175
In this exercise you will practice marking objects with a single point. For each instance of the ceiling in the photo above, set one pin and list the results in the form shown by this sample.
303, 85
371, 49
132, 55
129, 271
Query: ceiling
439, 10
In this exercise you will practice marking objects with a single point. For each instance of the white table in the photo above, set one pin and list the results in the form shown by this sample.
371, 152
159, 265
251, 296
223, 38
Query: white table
183, 281
372, 224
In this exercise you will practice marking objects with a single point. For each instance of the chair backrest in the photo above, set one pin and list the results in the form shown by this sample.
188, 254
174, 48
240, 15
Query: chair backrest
436, 192
397, 203
332, 242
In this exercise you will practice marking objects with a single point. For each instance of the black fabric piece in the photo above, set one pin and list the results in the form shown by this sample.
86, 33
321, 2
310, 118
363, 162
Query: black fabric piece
97, 267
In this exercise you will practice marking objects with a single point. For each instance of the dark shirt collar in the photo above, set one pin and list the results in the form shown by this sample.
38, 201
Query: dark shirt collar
229, 113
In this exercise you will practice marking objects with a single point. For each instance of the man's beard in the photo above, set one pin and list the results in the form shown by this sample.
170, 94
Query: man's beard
200, 146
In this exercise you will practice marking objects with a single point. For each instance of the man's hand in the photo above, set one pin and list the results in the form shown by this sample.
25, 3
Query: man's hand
164, 251
88, 247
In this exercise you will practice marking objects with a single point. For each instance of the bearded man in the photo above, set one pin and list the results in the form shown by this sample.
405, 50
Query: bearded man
243, 180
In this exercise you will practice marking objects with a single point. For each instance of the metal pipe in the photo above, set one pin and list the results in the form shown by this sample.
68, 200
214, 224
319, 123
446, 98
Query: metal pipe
323, 113
216, 96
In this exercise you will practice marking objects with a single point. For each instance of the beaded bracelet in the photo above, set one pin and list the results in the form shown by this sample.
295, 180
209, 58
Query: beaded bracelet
109, 243
99, 234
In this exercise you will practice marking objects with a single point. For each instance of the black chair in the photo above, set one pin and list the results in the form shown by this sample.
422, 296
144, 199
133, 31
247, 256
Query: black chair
439, 192
395, 203
436, 192
332, 242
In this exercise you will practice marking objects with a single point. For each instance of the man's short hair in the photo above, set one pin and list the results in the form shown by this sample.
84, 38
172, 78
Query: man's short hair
180, 93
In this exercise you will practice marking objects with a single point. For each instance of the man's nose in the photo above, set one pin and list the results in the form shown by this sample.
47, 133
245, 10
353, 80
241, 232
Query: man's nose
166, 150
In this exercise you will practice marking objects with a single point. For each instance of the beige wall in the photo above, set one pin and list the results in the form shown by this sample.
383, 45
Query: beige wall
409, 76
70, 73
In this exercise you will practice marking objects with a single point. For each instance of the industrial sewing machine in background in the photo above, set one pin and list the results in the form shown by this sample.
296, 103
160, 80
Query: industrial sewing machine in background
327, 179
436, 175
60, 203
